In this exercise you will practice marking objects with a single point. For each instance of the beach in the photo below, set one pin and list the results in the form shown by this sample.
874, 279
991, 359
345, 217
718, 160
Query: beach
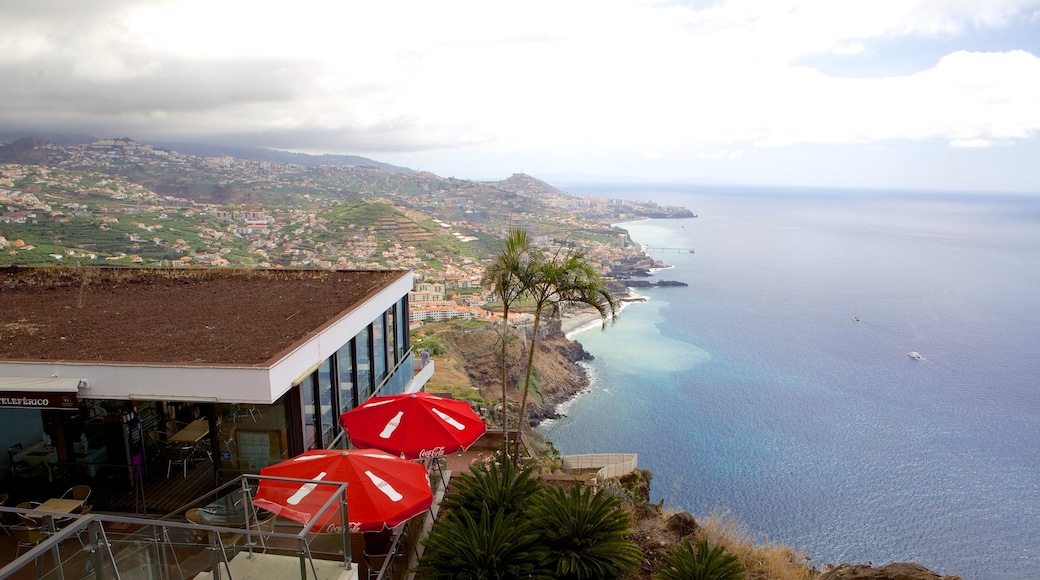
575, 320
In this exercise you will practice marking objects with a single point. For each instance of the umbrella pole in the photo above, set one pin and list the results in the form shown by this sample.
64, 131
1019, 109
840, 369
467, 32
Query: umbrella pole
347, 557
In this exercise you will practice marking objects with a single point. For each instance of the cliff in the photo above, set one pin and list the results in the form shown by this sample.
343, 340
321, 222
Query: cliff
473, 354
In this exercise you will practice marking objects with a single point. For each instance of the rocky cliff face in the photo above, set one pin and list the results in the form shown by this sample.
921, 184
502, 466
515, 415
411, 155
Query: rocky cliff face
556, 378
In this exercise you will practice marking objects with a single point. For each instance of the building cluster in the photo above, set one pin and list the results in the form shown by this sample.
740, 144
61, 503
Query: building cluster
142, 227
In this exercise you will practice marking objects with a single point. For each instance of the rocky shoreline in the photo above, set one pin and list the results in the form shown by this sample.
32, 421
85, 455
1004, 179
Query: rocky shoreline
570, 324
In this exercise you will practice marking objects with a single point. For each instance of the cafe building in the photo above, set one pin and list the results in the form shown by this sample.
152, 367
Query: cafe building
155, 384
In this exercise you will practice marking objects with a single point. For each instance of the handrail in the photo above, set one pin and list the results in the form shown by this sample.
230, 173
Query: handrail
243, 483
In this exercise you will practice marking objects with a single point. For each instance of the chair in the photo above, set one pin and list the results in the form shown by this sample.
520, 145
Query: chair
226, 539
180, 455
264, 523
174, 426
4, 525
154, 442
80, 492
227, 436
253, 411
225, 440
29, 521
82, 510
380, 547
19, 468
27, 537
194, 517
375, 563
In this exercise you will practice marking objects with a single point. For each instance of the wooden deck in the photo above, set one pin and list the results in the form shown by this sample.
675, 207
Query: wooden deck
159, 494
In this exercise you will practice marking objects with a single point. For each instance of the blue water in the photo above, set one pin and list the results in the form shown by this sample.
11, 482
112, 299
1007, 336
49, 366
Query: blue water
754, 390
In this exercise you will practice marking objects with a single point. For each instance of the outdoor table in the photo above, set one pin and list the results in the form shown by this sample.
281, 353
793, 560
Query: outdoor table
92, 459
194, 432
226, 511
38, 455
58, 505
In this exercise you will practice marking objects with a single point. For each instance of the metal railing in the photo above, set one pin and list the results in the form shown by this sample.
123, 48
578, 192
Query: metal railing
102, 546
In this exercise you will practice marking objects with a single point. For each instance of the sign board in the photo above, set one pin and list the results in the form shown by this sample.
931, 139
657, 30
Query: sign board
29, 400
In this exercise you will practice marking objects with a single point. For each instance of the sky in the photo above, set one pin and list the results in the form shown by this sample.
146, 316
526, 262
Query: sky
932, 94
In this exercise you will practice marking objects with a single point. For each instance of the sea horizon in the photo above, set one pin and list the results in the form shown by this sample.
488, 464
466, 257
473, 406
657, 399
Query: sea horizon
779, 386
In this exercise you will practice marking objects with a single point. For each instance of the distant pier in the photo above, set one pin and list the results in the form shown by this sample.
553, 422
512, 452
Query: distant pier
661, 249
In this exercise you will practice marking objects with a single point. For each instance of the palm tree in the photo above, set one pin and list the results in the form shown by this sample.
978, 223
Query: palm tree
566, 279
507, 277
584, 534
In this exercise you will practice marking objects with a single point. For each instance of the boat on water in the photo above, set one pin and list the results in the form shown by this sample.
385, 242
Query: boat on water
915, 355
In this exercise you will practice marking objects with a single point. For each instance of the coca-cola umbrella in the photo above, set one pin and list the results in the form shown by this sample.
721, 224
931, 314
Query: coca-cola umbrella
382, 490
414, 425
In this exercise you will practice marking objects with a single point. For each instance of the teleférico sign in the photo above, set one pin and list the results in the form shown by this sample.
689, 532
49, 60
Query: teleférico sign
27, 400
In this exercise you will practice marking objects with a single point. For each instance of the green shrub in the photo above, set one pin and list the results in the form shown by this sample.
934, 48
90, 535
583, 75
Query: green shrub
584, 534
493, 484
683, 562
493, 545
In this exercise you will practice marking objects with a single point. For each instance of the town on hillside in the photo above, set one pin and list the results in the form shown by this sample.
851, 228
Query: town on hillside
121, 202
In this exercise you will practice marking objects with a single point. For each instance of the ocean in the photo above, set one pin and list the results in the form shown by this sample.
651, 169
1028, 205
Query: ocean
777, 385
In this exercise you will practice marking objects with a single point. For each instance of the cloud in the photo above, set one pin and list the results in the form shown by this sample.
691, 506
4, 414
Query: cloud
654, 80
971, 143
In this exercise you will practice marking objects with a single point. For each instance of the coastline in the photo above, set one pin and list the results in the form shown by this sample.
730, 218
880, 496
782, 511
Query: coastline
574, 322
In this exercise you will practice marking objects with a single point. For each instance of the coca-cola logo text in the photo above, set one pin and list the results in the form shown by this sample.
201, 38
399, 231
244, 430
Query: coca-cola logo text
353, 528
435, 452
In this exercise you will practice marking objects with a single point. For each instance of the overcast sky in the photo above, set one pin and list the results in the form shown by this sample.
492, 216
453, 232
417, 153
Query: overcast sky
880, 93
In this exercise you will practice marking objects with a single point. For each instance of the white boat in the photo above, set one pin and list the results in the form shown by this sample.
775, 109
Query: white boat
915, 355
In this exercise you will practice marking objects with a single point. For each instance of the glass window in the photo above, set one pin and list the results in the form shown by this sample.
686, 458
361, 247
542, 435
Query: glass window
379, 348
403, 339
364, 368
346, 378
327, 412
260, 437
391, 352
309, 412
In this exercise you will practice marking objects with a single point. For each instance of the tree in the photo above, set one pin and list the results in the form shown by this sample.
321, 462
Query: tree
584, 534
507, 277
550, 283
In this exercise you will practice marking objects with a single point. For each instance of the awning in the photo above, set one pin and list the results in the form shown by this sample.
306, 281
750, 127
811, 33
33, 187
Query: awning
40, 393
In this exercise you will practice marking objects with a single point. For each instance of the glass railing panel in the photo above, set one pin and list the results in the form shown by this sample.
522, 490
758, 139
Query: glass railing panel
183, 544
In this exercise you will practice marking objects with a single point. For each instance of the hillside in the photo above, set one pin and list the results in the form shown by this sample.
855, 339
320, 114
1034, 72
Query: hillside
139, 204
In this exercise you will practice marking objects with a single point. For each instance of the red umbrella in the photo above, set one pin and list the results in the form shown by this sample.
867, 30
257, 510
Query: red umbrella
415, 425
382, 490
